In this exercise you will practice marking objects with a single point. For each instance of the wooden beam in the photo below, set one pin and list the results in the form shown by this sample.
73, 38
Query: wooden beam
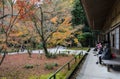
119, 39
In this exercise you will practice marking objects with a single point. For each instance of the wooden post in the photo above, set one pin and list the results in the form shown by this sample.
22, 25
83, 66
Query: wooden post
68, 66
108, 68
68, 52
81, 52
54, 76
79, 55
119, 39
59, 52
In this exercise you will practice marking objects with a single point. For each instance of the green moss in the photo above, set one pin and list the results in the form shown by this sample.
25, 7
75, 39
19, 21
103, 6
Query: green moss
64, 74
60, 75
3, 78
40, 77
45, 76
82, 48
33, 77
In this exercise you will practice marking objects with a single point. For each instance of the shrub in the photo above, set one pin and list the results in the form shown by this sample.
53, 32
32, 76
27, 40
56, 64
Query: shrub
51, 55
63, 54
54, 56
28, 66
55, 64
50, 66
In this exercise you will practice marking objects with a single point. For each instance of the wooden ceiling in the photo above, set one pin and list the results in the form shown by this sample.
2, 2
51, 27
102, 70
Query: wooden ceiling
97, 11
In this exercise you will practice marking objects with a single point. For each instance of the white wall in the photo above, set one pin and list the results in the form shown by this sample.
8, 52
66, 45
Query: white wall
116, 41
117, 38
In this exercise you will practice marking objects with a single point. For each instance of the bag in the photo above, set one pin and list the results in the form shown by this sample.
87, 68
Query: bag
113, 55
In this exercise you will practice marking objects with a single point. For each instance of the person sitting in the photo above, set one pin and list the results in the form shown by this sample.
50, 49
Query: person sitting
99, 55
99, 46
105, 54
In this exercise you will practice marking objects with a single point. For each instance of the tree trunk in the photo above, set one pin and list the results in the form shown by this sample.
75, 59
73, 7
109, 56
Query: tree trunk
45, 49
29, 52
3, 57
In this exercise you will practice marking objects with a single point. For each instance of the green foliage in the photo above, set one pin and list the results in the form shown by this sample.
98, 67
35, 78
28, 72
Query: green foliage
87, 34
55, 64
3, 78
40, 46
63, 54
50, 66
61, 75
85, 38
28, 66
45, 76
78, 15
33, 77
81, 38
52, 55
40, 77
86, 28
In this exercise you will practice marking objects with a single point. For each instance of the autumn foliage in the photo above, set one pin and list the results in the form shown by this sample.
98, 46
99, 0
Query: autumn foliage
25, 8
63, 33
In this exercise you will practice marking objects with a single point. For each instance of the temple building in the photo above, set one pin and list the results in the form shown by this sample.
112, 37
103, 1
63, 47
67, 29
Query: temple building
104, 15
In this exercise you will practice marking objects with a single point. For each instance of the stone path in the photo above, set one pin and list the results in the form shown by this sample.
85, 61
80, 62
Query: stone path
51, 50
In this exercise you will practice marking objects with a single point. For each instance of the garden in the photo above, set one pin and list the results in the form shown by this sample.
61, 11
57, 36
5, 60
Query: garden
33, 25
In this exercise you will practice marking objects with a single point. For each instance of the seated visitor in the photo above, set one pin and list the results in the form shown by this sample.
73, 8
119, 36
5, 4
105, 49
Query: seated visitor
105, 54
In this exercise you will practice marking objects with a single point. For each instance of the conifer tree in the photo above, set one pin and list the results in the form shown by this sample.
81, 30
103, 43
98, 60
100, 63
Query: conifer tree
78, 15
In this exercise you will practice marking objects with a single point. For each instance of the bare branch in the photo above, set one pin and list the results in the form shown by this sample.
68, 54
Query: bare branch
49, 35
4, 16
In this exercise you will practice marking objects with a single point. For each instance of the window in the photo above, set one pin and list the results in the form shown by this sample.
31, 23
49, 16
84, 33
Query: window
113, 40
117, 38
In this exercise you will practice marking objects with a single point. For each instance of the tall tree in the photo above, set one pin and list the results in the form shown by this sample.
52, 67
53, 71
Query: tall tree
65, 34
78, 15
7, 21
47, 18
44, 26
10, 15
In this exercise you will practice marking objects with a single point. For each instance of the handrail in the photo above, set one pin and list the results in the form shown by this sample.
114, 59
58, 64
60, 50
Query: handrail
53, 76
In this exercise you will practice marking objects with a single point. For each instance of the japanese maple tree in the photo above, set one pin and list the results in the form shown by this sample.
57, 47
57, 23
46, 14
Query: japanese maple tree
12, 11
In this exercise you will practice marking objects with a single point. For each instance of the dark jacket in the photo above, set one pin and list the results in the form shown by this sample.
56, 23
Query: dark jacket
106, 54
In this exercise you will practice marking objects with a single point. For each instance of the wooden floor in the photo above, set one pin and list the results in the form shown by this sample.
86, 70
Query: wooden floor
91, 70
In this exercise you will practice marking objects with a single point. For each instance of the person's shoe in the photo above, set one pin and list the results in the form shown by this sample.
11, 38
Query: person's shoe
95, 55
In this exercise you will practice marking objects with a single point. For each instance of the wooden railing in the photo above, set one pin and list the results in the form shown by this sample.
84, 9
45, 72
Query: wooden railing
53, 76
